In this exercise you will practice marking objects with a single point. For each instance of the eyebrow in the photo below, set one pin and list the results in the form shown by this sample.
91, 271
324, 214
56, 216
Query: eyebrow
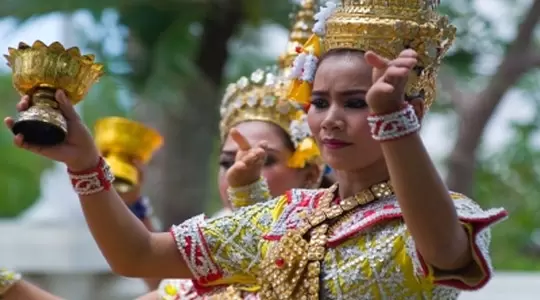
343, 93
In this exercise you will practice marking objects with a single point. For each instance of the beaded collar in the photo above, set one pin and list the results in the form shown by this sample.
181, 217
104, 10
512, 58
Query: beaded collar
291, 269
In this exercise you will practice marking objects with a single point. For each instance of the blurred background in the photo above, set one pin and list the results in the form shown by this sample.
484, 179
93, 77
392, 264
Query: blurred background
167, 63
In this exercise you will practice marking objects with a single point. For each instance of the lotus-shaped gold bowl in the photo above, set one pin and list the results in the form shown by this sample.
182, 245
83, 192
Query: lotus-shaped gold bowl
39, 70
121, 141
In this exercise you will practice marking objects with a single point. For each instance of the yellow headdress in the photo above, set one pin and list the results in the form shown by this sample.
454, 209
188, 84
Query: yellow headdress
263, 96
386, 27
120, 141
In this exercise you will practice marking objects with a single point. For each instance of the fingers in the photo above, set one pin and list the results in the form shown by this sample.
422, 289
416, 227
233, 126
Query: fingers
66, 106
398, 71
240, 140
375, 60
254, 157
18, 140
23, 104
9, 122
263, 145
408, 53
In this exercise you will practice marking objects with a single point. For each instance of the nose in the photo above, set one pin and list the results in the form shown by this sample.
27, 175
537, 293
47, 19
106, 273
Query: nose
333, 119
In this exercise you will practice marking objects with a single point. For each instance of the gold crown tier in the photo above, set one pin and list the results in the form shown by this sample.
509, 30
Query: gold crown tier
257, 98
263, 95
121, 141
387, 27
300, 33
39, 70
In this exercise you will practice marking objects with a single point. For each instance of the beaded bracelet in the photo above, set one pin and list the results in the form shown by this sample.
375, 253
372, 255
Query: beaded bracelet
92, 180
386, 127
7, 280
249, 194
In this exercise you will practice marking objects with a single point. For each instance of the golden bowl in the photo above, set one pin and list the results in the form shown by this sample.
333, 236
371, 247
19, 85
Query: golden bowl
121, 141
39, 70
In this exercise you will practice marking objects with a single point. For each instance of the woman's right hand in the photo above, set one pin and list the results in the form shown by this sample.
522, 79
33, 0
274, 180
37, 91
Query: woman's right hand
248, 162
78, 151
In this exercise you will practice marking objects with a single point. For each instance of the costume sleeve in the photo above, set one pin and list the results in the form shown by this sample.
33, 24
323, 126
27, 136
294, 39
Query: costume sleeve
226, 250
477, 223
256, 192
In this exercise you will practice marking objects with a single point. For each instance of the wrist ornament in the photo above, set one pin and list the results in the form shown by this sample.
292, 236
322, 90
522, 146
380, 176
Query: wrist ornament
395, 125
249, 194
93, 180
7, 280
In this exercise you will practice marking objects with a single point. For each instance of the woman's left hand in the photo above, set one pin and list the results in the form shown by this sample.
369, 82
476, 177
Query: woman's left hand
387, 93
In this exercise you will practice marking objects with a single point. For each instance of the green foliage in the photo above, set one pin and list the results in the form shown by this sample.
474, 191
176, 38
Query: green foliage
103, 100
20, 171
168, 32
510, 178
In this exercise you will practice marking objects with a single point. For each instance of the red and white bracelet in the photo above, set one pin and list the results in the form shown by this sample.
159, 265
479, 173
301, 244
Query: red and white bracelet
394, 125
92, 180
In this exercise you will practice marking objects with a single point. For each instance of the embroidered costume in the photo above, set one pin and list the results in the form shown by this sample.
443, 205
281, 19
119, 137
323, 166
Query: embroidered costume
369, 254
309, 244
260, 98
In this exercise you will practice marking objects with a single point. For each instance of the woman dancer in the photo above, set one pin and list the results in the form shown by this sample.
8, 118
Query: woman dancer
284, 167
364, 236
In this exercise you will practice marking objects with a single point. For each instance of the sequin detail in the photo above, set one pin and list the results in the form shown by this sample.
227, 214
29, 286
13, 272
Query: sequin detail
369, 254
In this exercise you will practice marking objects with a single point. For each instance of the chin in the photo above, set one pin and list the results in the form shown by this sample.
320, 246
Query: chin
338, 163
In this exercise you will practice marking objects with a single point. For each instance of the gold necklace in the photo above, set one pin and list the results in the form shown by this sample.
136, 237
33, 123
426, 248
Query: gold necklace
291, 268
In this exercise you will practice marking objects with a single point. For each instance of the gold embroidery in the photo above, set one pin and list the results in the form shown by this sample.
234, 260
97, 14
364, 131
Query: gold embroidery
291, 269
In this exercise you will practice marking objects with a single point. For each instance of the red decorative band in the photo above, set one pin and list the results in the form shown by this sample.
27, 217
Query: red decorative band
394, 125
92, 181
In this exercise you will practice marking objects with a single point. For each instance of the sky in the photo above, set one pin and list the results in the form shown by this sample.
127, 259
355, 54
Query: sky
56, 188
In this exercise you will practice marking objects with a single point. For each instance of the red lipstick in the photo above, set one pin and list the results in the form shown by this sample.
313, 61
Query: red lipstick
335, 143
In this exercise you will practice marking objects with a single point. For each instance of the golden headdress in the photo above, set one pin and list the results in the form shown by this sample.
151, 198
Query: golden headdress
120, 141
263, 95
386, 27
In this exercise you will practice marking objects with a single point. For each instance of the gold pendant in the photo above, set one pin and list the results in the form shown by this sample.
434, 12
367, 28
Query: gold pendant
284, 267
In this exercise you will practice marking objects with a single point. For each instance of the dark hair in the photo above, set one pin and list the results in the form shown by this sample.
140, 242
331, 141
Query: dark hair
360, 53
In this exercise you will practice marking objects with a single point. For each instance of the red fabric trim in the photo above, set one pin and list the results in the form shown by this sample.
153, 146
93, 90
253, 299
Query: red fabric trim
288, 195
385, 217
478, 225
199, 283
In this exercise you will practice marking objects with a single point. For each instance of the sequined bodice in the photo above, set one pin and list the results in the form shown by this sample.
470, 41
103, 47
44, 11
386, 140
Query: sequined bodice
369, 254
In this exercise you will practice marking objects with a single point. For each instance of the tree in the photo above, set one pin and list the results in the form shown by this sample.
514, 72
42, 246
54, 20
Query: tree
475, 108
20, 171
177, 52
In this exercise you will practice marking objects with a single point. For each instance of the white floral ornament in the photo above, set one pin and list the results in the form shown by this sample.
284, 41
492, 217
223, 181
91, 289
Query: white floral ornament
298, 66
310, 66
319, 28
299, 130
305, 64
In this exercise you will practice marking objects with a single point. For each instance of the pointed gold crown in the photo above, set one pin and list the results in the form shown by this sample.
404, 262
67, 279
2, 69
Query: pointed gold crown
263, 95
120, 141
53, 66
387, 27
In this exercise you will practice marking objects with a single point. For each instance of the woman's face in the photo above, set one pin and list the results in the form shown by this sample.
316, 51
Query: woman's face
338, 113
279, 176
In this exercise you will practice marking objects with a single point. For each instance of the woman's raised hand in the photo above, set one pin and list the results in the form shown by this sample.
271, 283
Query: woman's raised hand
248, 162
390, 77
78, 151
